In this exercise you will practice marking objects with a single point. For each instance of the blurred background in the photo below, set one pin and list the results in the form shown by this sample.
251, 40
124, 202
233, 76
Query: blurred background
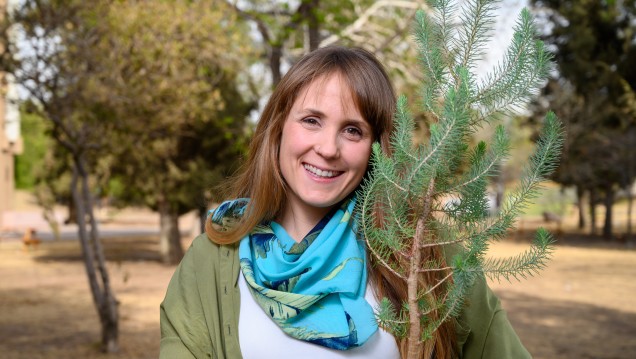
120, 119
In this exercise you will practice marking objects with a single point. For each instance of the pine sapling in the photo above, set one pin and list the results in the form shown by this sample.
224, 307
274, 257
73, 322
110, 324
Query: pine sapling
423, 210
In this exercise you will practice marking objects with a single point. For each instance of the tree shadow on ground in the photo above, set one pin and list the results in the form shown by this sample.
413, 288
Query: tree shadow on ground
119, 249
525, 232
562, 329
45, 323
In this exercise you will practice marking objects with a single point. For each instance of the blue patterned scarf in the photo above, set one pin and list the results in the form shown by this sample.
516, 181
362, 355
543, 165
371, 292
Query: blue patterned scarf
314, 290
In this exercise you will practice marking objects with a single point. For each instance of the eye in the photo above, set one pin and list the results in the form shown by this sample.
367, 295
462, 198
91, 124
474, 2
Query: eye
310, 121
353, 132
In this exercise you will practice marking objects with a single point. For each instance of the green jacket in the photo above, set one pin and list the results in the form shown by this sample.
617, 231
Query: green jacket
199, 315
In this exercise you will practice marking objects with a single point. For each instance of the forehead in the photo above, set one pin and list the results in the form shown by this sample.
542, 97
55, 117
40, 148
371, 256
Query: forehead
329, 90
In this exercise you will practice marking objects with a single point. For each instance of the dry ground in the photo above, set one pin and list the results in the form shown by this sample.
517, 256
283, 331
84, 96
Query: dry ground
581, 306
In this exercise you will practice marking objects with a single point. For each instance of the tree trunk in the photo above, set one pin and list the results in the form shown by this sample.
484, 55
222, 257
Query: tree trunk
593, 211
72, 212
203, 216
580, 192
94, 259
313, 24
499, 193
170, 237
609, 203
276, 53
414, 347
630, 201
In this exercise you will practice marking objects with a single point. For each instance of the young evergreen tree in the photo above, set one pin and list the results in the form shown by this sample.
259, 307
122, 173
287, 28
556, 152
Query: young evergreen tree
431, 198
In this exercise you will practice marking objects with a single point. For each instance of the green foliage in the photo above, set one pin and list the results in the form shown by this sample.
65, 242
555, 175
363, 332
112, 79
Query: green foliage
594, 93
170, 70
143, 98
35, 145
433, 194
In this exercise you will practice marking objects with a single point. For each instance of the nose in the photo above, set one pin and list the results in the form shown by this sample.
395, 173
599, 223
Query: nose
327, 146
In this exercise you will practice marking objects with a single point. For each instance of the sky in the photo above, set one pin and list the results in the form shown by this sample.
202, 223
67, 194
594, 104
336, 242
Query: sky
506, 18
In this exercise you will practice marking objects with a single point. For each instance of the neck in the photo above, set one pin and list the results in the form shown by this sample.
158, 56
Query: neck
299, 220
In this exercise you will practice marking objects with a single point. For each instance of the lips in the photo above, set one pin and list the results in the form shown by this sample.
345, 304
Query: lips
320, 172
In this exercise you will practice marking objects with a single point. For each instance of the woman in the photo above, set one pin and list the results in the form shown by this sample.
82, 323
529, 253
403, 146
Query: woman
280, 272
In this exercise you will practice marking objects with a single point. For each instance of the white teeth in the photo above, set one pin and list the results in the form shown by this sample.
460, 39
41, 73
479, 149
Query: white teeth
318, 172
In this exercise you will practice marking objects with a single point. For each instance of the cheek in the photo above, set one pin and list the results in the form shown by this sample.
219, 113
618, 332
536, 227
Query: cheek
362, 158
292, 140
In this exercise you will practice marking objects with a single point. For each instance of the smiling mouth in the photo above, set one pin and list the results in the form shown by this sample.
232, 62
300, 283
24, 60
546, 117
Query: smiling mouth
321, 173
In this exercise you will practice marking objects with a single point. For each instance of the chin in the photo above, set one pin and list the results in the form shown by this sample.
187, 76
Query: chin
322, 202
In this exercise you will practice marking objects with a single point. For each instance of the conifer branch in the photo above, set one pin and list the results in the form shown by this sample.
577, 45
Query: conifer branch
396, 185
428, 245
385, 264
424, 270
529, 262
484, 168
478, 23
403, 209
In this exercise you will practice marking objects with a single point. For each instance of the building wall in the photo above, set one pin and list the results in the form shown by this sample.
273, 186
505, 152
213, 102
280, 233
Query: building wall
10, 144
6, 158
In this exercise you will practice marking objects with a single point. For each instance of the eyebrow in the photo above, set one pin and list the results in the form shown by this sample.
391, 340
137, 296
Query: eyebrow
353, 121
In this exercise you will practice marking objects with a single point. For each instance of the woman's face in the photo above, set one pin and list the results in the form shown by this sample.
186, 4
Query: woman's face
325, 146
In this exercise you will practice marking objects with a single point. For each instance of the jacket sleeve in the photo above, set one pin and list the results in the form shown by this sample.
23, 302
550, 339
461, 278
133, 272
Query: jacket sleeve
184, 333
483, 327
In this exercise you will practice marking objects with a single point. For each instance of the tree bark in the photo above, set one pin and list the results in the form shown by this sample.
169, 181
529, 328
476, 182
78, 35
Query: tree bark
630, 201
499, 193
414, 347
580, 192
609, 203
94, 259
313, 24
72, 212
593, 196
275, 55
170, 236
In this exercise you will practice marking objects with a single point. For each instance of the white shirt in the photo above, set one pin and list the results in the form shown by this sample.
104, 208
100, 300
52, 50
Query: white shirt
261, 338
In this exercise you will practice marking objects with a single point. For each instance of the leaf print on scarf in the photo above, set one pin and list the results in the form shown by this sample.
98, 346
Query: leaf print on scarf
342, 342
285, 285
340, 267
279, 305
314, 289
228, 213
329, 340
262, 237
301, 247
345, 217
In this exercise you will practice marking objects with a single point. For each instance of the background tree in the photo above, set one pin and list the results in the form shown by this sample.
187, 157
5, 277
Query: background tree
405, 216
168, 71
595, 49
289, 31
143, 94
54, 66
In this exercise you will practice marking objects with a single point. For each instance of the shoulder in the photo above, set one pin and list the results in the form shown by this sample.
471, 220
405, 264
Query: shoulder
187, 325
203, 265
199, 260
204, 255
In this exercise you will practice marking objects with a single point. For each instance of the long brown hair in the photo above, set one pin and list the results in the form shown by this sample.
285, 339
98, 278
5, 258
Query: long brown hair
260, 178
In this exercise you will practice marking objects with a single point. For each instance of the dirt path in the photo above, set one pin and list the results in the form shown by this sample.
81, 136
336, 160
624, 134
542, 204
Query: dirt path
582, 306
